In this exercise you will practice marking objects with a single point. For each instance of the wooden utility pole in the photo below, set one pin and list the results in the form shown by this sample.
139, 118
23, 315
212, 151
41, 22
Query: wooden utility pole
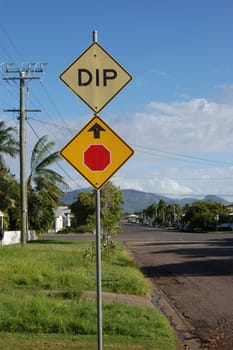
25, 73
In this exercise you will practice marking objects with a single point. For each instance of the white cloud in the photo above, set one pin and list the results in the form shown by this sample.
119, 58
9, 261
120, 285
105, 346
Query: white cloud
193, 126
227, 93
171, 186
180, 148
171, 142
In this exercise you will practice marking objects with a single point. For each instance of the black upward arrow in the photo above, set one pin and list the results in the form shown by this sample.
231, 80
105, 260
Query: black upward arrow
96, 128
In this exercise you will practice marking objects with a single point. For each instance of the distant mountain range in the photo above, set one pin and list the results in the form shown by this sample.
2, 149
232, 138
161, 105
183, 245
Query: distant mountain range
135, 201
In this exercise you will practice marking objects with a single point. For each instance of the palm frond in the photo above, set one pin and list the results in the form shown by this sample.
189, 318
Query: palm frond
51, 176
49, 160
40, 151
49, 184
8, 144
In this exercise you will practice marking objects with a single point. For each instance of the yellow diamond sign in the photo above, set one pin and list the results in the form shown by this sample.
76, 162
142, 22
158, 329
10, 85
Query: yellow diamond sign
96, 77
96, 152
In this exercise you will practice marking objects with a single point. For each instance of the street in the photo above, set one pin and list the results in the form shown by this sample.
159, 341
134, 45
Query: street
194, 272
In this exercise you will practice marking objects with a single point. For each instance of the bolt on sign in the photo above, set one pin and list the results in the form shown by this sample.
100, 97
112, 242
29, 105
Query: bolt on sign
96, 152
96, 77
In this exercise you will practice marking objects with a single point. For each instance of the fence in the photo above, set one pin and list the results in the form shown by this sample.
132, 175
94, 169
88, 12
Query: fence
13, 237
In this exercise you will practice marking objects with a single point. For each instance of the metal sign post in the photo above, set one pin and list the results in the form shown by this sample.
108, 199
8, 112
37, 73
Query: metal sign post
97, 152
98, 271
98, 260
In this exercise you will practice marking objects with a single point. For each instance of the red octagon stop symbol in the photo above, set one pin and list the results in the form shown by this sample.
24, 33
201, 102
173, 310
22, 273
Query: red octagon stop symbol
97, 157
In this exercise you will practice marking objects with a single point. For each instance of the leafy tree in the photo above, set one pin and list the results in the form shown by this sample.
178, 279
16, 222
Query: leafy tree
110, 199
10, 201
161, 216
83, 209
173, 213
151, 212
45, 186
41, 213
201, 215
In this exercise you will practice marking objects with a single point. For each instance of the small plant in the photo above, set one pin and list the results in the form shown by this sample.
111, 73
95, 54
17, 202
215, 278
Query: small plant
90, 252
108, 248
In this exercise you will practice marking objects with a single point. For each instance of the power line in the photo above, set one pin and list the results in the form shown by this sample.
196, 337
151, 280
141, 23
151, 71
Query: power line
150, 150
175, 155
53, 103
60, 127
12, 42
20, 55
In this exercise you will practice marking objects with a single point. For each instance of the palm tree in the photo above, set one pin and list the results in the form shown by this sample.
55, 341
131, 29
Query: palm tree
9, 189
45, 186
42, 179
8, 144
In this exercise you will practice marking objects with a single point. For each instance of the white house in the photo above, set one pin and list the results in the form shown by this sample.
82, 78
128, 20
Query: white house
62, 218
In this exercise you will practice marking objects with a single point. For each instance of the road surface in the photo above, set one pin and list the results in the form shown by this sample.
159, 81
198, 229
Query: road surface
194, 273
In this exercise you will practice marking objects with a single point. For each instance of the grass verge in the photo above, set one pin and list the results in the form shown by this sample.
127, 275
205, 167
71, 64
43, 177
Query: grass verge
43, 307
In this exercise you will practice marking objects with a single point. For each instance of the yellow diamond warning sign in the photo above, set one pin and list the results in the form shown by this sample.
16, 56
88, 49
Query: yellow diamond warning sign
96, 77
97, 152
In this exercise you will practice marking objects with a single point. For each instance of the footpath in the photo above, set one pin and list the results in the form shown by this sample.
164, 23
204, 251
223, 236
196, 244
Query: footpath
160, 301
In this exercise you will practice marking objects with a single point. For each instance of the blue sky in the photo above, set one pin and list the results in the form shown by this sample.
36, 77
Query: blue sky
176, 113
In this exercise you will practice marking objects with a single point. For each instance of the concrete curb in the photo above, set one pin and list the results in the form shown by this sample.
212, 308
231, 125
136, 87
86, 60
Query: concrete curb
182, 327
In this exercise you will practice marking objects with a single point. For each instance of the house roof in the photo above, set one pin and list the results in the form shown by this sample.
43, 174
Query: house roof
60, 211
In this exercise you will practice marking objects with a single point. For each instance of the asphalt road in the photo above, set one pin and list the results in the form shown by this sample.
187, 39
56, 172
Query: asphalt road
194, 273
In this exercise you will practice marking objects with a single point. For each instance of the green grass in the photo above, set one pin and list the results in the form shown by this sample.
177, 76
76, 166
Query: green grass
43, 307
21, 341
